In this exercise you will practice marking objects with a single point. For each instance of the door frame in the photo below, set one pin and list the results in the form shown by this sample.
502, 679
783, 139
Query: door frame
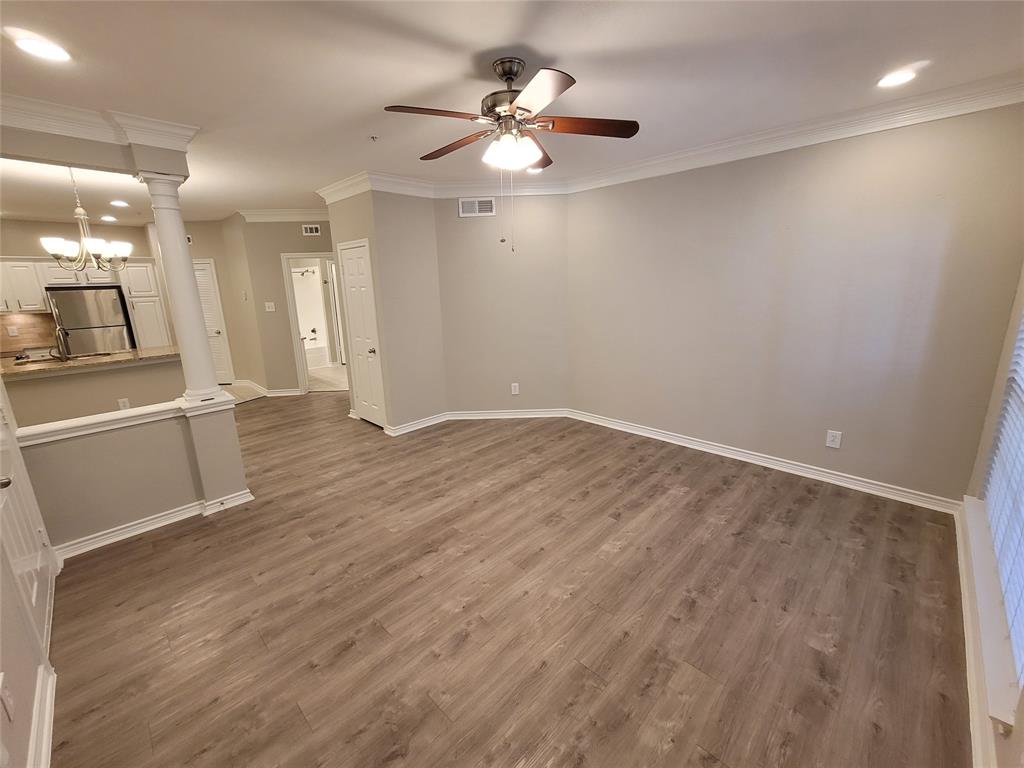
301, 368
220, 311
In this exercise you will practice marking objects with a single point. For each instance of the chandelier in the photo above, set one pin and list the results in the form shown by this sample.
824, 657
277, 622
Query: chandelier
74, 256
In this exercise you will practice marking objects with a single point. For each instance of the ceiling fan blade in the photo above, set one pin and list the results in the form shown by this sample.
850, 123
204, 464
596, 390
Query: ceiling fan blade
465, 141
438, 113
545, 158
588, 126
546, 86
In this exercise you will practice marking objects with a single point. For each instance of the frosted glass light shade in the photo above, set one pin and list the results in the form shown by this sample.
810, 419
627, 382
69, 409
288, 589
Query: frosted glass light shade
122, 250
95, 245
512, 153
53, 245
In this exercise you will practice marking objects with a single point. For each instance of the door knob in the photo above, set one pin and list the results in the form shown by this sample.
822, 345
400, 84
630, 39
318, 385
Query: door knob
371, 351
217, 332
5, 482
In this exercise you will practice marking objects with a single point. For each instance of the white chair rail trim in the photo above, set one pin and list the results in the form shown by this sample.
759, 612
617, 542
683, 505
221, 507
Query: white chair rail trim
129, 417
875, 487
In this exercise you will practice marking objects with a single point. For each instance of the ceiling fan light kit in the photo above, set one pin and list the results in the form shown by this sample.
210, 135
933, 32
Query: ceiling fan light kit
513, 116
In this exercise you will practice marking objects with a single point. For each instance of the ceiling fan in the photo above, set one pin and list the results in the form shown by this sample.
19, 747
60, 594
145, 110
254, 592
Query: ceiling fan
512, 117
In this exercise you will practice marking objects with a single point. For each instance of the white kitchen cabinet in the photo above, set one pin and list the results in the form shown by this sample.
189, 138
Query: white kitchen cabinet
149, 322
52, 274
94, 276
22, 290
140, 280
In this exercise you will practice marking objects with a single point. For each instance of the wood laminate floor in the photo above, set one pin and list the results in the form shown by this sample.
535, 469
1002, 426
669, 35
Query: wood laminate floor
523, 594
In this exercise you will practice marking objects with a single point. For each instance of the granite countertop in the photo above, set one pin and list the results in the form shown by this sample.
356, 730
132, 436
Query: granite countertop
10, 370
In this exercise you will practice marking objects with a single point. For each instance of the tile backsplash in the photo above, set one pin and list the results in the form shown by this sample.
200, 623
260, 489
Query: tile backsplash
32, 329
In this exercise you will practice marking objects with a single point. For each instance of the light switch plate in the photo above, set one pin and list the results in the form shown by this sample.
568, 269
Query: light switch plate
515, 388
833, 438
12, 330
269, 306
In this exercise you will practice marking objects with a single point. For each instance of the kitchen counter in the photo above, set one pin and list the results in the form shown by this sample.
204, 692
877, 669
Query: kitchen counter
41, 368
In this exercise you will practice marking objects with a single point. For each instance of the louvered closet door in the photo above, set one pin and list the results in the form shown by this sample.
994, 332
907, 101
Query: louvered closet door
213, 315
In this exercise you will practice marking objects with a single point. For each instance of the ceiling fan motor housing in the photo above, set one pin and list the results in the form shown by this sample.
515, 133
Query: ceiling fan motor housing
497, 104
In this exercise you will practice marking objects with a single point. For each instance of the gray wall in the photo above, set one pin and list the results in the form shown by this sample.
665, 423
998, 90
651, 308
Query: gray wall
403, 253
19, 239
85, 392
264, 244
406, 282
505, 315
862, 285
151, 468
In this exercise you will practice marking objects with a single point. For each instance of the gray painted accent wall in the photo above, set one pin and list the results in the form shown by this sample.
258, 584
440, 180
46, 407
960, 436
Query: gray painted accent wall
862, 285
505, 315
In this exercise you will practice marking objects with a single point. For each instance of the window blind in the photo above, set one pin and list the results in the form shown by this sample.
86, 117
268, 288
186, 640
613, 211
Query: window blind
1004, 497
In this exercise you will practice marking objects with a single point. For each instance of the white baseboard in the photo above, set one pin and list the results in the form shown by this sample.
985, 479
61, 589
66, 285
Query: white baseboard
40, 742
250, 383
226, 502
536, 413
874, 487
134, 528
269, 392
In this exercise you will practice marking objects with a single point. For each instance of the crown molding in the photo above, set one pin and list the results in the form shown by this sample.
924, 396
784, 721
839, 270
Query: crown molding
154, 133
974, 97
108, 127
268, 215
961, 100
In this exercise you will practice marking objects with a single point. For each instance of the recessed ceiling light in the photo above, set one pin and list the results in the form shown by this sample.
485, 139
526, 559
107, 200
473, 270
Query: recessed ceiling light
119, 203
108, 217
899, 77
36, 45
534, 170
903, 75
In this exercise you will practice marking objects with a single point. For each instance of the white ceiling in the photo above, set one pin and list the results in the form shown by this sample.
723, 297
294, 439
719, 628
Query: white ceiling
287, 94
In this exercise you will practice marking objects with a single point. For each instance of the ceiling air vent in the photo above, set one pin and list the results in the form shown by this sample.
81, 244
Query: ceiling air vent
476, 206
311, 230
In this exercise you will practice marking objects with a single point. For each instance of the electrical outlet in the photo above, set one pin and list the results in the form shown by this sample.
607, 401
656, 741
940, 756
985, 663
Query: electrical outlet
515, 388
833, 438
122, 403
12, 331
269, 306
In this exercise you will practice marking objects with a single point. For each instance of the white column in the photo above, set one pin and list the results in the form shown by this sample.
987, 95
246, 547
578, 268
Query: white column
186, 308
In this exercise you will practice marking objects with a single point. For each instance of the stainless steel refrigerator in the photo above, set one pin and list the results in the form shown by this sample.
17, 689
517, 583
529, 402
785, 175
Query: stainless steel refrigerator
90, 321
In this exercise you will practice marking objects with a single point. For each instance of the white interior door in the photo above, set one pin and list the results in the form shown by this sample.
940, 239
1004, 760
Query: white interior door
22, 532
213, 315
27, 571
367, 381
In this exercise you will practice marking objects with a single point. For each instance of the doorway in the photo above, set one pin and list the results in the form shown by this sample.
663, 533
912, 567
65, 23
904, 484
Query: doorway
311, 287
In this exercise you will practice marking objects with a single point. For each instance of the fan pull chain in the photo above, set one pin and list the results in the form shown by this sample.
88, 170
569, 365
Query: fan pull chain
512, 200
